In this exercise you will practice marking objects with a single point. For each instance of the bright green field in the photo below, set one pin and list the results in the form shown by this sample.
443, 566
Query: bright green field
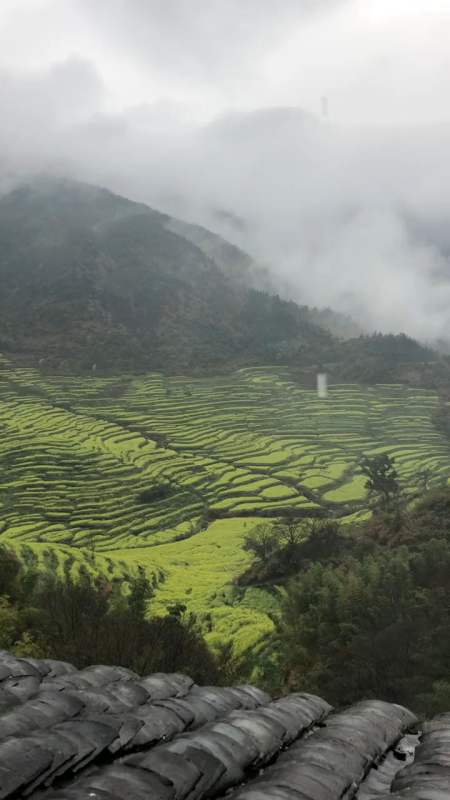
76, 452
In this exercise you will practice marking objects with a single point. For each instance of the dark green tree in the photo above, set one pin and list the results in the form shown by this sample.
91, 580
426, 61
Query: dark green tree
382, 480
141, 592
263, 541
10, 569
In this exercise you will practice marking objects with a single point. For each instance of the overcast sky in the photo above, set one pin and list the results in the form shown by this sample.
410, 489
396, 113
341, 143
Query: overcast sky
152, 98
383, 61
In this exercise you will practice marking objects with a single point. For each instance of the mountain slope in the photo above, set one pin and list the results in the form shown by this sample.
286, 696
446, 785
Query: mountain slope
230, 259
89, 277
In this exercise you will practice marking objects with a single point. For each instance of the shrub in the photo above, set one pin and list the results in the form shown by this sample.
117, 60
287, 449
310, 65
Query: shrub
154, 493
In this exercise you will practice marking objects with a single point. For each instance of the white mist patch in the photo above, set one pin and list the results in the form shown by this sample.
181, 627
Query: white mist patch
371, 268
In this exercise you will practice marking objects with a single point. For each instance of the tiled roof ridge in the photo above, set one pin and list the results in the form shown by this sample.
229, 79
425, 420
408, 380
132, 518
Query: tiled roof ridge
106, 733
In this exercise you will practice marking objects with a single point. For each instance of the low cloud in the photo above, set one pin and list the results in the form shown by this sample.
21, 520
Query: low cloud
354, 216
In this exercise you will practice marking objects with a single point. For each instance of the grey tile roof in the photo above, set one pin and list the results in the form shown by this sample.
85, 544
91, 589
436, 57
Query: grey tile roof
106, 733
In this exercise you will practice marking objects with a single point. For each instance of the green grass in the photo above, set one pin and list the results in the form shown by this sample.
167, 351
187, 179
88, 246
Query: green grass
199, 570
75, 455
355, 489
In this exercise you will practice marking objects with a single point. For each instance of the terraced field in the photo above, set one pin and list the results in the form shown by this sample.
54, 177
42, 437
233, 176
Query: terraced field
80, 459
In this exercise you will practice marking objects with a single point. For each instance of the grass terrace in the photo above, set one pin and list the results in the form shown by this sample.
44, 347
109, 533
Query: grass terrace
170, 473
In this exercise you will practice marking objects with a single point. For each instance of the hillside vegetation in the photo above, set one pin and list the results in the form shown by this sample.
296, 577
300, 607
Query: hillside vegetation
90, 278
92, 282
156, 407
171, 473
47, 615
366, 607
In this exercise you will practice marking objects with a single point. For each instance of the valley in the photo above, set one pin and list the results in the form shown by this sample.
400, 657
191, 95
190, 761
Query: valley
107, 474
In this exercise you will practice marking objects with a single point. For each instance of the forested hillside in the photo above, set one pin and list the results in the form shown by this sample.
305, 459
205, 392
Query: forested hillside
91, 278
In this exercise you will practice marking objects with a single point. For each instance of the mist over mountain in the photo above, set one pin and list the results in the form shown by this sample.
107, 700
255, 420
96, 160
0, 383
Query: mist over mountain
351, 219
348, 210
91, 280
